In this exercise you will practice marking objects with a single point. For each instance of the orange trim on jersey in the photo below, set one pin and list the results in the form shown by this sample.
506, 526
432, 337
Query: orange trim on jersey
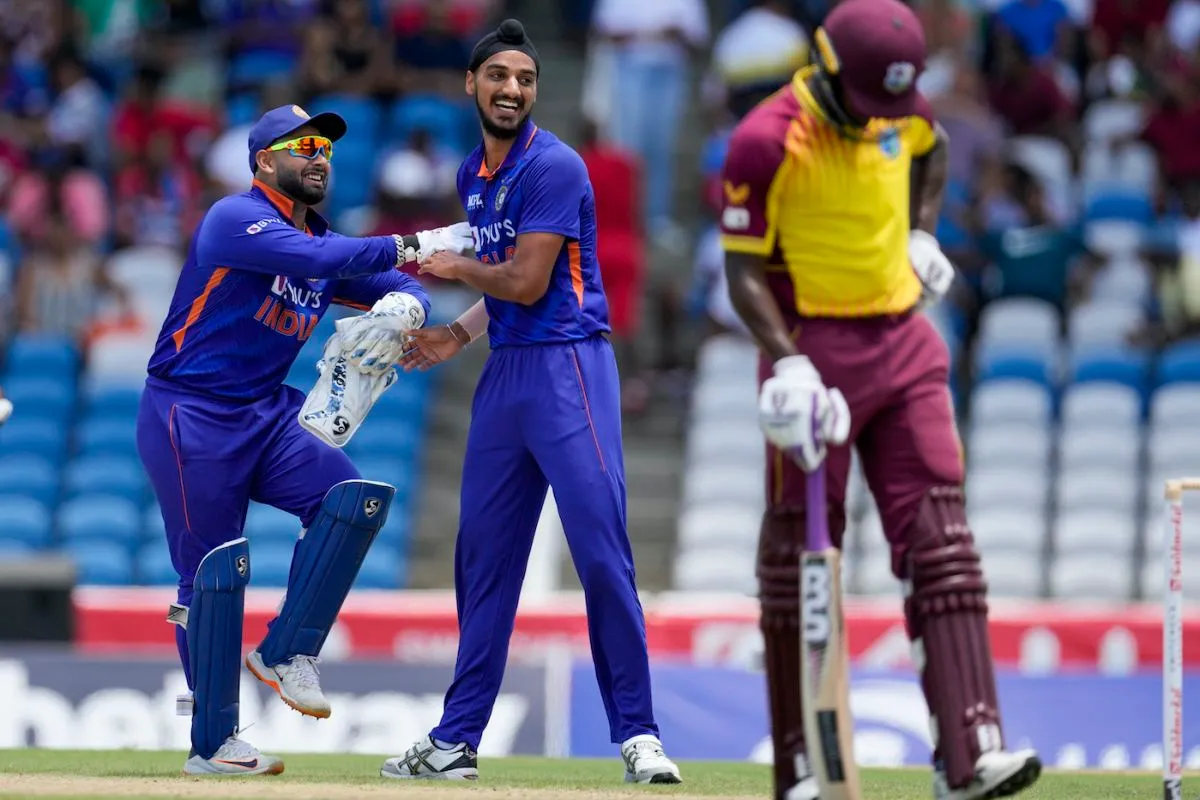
178, 463
488, 174
284, 203
587, 410
574, 261
341, 301
198, 304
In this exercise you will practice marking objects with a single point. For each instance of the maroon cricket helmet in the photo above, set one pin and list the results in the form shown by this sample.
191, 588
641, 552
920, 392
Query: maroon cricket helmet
876, 48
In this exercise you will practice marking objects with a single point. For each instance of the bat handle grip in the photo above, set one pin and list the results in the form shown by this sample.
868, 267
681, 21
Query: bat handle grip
816, 515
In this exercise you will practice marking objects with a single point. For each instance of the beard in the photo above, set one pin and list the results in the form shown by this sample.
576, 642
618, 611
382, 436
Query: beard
498, 131
293, 185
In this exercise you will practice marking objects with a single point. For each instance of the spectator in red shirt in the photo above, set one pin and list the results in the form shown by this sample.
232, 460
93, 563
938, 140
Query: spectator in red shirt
143, 114
157, 197
1026, 96
1173, 130
1116, 21
620, 247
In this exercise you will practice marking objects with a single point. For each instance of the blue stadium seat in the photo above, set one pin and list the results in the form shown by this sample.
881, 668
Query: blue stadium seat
270, 563
38, 437
441, 118
24, 520
387, 438
241, 109
388, 468
100, 518
107, 436
256, 67
30, 476
1179, 363
1115, 365
153, 565
268, 524
363, 115
1126, 206
152, 524
119, 476
41, 398
407, 397
101, 563
113, 402
397, 528
11, 549
1017, 361
382, 568
44, 356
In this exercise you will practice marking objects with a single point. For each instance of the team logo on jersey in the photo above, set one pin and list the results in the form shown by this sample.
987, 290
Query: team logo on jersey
501, 196
889, 143
737, 195
899, 77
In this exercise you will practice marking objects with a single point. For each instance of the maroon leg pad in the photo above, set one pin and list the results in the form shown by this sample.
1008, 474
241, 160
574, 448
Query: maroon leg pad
946, 614
780, 544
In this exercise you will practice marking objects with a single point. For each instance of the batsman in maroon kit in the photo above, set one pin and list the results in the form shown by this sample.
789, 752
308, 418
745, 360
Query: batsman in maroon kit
832, 190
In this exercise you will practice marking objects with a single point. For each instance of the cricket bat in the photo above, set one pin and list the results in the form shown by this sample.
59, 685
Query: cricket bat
824, 657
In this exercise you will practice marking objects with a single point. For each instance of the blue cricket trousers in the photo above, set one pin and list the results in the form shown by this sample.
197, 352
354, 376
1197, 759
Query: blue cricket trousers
208, 458
546, 415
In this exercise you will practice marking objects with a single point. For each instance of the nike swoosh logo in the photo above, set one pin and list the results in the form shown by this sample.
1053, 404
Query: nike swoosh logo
251, 764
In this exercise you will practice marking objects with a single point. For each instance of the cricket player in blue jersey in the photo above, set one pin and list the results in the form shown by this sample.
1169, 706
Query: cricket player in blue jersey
217, 427
546, 413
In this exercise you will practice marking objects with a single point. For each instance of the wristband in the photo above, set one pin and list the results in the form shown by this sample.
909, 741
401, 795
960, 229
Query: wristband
408, 248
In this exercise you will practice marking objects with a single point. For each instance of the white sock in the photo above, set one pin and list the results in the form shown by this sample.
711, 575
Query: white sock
440, 745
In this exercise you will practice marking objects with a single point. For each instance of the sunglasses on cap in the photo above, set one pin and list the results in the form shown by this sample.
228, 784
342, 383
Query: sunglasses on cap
308, 147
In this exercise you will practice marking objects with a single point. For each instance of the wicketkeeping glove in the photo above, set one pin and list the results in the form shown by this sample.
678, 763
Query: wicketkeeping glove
374, 341
6, 409
342, 396
933, 269
456, 238
799, 415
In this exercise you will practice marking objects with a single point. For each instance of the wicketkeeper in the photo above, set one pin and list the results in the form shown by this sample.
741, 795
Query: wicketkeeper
217, 427
832, 192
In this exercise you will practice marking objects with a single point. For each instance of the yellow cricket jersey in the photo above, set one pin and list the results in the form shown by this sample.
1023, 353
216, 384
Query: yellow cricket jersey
831, 214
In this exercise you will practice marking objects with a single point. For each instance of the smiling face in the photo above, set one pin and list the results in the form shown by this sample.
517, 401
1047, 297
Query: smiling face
505, 89
303, 179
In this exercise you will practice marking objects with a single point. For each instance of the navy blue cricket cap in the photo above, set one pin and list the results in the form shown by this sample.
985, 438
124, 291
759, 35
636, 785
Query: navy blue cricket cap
279, 122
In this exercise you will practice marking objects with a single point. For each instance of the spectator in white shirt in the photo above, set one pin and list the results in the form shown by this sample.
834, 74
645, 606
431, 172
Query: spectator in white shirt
652, 42
78, 111
758, 53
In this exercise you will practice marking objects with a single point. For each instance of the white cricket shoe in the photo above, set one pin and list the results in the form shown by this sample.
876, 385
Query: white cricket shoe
235, 757
425, 760
645, 761
296, 680
997, 774
806, 789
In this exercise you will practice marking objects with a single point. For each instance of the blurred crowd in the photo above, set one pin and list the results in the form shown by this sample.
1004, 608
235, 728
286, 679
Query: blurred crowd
1059, 112
123, 120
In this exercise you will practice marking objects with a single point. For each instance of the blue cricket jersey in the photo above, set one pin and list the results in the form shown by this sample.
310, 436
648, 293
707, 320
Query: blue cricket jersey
542, 187
253, 288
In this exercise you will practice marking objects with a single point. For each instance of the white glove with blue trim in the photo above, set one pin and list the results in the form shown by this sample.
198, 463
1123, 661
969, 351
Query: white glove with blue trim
342, 397
373, 342
799, 415
933, 269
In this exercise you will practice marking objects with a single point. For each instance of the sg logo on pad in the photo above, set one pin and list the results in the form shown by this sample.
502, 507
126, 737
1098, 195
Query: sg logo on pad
371, 507
242, 565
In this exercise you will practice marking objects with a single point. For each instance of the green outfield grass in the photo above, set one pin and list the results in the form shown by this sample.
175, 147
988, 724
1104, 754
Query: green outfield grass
129, 774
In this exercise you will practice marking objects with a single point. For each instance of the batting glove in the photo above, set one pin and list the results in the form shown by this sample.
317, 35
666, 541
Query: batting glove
799, 415
456, 238
933, 269
373, 342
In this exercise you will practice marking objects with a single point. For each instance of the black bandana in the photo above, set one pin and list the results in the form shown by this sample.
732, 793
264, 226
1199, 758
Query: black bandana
510, 35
